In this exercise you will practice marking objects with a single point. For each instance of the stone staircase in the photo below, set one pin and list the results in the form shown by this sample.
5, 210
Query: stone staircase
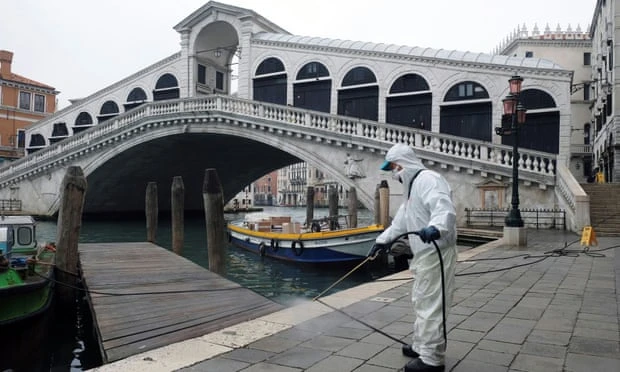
604, 207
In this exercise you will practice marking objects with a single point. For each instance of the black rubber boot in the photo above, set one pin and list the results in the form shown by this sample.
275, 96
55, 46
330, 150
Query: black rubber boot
417, 365
408, 351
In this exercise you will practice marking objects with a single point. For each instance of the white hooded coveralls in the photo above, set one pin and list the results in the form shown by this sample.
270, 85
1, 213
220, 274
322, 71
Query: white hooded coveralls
428, 203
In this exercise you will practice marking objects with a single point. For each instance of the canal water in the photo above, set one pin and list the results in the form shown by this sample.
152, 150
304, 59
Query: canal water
72, 347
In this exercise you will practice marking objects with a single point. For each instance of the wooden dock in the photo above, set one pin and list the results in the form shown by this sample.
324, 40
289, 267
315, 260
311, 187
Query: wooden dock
196, 301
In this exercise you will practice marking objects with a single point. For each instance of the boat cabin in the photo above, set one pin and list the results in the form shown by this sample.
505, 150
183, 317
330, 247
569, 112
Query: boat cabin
20, 233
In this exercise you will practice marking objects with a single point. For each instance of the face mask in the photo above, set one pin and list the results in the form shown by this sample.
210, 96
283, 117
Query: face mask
396, 174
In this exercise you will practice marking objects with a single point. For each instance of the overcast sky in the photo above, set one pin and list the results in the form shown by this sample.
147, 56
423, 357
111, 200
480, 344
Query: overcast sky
81, 46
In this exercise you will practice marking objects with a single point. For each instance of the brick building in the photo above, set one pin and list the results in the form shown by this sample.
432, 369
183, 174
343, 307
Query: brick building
23, 101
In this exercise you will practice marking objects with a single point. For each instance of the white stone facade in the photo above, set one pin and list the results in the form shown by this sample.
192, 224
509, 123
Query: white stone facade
570, 48
605, 116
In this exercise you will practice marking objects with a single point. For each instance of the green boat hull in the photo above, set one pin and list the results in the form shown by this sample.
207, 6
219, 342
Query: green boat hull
26, 292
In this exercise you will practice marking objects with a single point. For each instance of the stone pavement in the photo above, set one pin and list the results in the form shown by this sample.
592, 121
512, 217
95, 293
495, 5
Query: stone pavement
559, 314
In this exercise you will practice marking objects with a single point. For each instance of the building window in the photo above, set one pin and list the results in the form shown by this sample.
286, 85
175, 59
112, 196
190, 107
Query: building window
24, 100
529, 54
21, 138
586, 91
202, 74
587, 58
39, 103
219, 80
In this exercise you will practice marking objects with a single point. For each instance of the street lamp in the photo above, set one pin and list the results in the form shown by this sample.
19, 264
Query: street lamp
513, 107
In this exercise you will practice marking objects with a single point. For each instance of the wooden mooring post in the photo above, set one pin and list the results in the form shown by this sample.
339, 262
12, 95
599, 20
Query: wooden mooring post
352, 207
377, 205
152, 211
213, 199
332, 199
73, 192
177, 209
309, 205
384, 202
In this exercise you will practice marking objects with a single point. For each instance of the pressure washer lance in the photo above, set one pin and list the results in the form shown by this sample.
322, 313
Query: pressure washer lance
370, 258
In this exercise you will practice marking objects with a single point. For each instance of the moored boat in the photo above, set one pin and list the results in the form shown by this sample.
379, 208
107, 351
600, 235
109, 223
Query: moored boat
25, 270
279, 238
26, 295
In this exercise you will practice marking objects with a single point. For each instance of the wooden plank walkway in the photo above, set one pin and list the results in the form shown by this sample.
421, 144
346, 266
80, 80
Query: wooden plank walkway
131, 324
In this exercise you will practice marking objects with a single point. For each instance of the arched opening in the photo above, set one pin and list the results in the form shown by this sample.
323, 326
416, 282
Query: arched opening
37, 142
466, 112
167, 87
59, 132
409, 102
541, 130
82, 122
217, 54
136, 97
313, 88
109, 109
359, 95
270, 82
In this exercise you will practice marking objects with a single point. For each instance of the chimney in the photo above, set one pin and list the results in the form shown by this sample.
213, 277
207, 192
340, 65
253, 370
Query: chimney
6, 58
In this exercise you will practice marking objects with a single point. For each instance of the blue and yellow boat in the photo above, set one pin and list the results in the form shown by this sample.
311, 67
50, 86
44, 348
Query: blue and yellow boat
317, 245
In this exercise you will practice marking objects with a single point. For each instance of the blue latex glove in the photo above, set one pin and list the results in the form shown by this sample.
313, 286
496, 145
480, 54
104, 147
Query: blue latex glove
429, 234
378, 248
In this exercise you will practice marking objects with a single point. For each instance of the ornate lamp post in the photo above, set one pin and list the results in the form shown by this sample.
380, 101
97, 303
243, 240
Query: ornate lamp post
513, 107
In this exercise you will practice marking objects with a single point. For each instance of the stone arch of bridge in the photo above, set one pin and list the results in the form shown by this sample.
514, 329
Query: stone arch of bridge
117, 175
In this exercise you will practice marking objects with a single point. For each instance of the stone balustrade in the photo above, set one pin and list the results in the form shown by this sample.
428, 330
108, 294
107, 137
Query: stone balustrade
460, 153
572, 198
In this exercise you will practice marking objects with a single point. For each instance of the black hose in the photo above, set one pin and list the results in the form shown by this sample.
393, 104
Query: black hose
443, 294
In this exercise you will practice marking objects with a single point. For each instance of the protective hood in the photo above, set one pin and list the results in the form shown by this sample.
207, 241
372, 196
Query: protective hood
404, 156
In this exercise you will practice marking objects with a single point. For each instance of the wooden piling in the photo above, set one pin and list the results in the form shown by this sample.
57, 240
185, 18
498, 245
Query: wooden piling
213, 199
177, 206
73, 192
352, 207
309, 205
332, 199
152, 210
384, 202
377, 206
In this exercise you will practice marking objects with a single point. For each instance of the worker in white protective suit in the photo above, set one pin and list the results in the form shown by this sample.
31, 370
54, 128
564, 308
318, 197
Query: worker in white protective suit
427, 210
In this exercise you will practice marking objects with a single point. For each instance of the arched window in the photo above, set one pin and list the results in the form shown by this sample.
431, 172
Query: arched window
314, 89
409, 102
359, 95
459, 116
37, 142
541, 130
59, 132
136, 97
82, 122
270, 82
312, 70
466, 91
167, 87
358, 76
269, 66
109, 109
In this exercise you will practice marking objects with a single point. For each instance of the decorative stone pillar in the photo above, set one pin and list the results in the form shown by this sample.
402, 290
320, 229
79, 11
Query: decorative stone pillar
187, 76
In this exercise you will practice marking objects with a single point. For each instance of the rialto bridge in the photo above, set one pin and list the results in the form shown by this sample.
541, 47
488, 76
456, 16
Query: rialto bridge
317, 100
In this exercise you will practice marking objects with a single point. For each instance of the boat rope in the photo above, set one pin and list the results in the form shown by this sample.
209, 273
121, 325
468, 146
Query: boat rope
135, 293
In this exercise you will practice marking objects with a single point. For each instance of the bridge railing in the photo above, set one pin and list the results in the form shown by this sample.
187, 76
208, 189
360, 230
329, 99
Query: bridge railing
529, 160
536, 166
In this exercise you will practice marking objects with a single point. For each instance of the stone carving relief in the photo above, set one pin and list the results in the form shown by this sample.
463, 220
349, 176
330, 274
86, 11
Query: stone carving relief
352, 168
